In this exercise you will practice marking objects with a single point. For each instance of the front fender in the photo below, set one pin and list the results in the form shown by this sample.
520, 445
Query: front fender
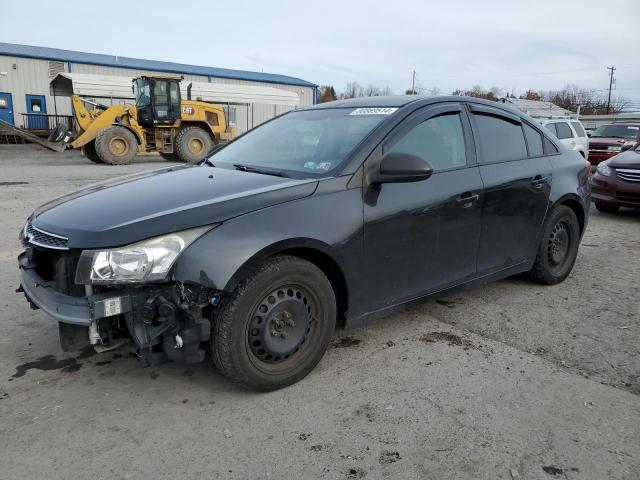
225, 255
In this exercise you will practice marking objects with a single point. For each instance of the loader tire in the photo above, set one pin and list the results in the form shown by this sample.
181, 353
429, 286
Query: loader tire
89, 151
116, 146
192, 144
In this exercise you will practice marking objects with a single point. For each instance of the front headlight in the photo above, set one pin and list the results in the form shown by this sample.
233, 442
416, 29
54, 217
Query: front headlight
614, 149
603, 169
146, 261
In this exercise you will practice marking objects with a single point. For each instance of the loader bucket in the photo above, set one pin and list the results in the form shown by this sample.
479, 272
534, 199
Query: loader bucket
59, 146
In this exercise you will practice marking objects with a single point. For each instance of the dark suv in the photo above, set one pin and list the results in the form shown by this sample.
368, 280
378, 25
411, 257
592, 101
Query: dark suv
609, 140
321, 216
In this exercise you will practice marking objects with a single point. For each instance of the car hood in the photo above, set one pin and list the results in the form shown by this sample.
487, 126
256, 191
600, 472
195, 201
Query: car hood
613, 141
628, 159
128, 209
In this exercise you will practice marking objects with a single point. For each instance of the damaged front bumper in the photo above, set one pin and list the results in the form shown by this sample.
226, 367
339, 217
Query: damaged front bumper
65, 308
165, 321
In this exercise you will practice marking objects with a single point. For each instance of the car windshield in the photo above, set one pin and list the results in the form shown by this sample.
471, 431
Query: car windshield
623, 131
308, 143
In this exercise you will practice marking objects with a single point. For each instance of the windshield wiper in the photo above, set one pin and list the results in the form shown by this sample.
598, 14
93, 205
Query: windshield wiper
246, 168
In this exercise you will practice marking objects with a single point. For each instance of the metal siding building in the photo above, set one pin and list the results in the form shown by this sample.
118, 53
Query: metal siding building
25, 73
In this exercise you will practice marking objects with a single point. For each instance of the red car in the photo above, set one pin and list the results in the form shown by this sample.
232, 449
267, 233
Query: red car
607, 141
616, 182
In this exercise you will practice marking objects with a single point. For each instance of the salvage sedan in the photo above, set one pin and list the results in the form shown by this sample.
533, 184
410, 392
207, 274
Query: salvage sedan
315, 219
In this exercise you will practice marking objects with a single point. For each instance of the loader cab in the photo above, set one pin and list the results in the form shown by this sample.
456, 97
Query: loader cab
157, 100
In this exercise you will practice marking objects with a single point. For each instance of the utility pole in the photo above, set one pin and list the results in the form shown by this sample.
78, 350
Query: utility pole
613, 69
413, 83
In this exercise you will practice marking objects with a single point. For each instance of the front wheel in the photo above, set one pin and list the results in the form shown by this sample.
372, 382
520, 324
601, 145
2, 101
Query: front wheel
558, 248
276, 326
116, 145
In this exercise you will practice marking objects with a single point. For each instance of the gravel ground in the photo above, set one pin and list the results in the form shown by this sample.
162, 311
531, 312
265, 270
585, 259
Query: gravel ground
511, 380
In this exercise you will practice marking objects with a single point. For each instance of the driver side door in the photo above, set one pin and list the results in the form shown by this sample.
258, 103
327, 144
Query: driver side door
423, 236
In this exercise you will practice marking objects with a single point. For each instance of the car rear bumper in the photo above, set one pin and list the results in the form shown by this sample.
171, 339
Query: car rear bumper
613, 190
65, 308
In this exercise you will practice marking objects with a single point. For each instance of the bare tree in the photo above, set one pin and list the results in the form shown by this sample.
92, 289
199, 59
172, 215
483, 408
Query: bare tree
352, 90
386, 90
372, 91
590, 101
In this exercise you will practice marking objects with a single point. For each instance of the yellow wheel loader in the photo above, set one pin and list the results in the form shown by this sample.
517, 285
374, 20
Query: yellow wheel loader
160, 121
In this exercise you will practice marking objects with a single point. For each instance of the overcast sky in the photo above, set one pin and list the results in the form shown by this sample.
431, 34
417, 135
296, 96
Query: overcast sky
540, 44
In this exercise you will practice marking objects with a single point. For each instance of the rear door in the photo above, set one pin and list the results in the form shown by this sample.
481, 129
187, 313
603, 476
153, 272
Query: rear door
6, 107
423, 236
517, 176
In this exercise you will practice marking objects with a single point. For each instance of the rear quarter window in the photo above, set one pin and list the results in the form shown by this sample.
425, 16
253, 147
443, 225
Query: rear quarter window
500, 139
564, 130
534, 140
577, 126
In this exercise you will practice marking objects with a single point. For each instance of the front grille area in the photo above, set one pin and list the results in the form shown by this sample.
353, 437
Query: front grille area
599, 146
38, 237
627, 197
630, 175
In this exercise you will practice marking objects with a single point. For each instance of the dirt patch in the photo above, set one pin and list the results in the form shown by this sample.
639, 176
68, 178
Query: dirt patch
389, 457
448, 337
345, 342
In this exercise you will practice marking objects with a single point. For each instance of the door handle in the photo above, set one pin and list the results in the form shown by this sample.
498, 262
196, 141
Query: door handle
467, 199
538, 181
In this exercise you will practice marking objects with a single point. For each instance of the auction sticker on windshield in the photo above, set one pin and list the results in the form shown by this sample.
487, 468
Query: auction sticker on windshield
374, 111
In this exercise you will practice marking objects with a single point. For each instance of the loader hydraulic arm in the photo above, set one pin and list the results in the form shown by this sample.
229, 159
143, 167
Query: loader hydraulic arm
92, 122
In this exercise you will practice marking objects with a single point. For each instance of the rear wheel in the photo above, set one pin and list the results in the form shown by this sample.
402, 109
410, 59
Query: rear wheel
192, 144
607, 207
558, 248
89, 151
116, 145
275, 327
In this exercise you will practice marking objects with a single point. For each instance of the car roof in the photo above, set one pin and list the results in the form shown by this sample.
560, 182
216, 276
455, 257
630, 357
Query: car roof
404, 100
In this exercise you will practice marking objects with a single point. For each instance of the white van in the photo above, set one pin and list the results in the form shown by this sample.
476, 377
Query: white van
570, 132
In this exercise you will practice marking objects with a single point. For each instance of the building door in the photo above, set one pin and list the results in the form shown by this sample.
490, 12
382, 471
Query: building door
6, 107
37, 108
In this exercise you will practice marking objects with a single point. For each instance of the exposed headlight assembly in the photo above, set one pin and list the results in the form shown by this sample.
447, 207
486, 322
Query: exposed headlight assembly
603, 169
146, 261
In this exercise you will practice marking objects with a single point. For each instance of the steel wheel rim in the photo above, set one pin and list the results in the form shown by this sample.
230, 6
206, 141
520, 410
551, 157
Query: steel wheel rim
268, 351
559, 245
118, 146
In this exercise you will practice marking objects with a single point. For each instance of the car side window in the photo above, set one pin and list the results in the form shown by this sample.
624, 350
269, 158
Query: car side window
564, 130
548, 147
438, 140
552, 128
534, 140
500, 139
577, 126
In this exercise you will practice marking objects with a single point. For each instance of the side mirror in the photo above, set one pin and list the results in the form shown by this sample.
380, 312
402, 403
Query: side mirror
589, 134
401, 168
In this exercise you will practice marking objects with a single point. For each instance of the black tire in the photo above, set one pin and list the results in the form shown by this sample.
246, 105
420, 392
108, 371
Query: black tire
276, 326
192, 144
89, 151
57, 134
116, 145
607, 207
558, 248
